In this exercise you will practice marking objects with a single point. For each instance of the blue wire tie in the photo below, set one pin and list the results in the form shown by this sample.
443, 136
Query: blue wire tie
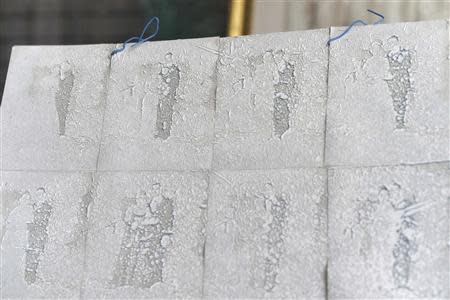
354, 23
137, 40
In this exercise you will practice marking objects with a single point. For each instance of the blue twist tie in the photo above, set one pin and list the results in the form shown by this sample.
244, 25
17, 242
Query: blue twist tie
137, 40
354, 23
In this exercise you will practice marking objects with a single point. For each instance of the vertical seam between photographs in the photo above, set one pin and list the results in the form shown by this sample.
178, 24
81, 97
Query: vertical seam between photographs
92, 185
326, 277
210, 171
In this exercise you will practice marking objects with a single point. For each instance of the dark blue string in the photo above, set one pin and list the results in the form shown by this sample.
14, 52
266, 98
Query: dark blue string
354, 23
137, 40
377, 14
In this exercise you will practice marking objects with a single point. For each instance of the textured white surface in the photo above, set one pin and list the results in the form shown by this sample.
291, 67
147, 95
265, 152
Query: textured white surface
172, 152
266, 235
137, 252
388, 228
53, 107
371, 69
43, 225
271, 95
171, 82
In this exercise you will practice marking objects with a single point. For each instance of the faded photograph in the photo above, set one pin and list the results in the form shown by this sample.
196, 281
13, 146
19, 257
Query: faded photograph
225, 149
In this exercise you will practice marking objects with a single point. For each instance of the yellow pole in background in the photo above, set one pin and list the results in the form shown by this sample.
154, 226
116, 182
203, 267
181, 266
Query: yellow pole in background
239, 18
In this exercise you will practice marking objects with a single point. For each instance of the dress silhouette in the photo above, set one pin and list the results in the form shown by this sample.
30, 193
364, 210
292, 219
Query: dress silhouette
14, 244
148, 223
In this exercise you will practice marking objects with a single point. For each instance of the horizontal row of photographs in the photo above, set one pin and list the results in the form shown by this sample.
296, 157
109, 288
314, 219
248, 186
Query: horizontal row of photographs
379, 96
376, 232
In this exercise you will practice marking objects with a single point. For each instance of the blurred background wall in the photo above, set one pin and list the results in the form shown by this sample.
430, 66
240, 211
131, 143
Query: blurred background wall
285, 15
63, 22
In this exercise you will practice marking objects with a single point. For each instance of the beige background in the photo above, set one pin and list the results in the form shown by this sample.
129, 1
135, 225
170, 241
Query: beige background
286, 15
